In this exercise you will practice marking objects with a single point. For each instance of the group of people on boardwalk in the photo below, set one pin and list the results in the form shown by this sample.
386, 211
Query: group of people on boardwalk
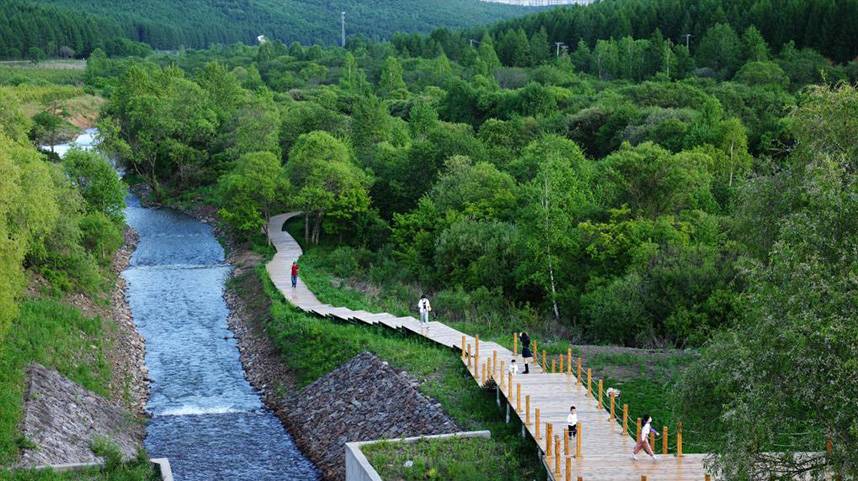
643, 444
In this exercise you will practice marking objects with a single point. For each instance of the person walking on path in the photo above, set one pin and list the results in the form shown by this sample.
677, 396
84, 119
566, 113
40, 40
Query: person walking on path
424, 307
294, 274
572, 422
525, 351
643, 443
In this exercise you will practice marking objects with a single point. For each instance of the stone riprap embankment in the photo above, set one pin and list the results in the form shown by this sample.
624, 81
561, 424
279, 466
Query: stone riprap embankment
62, 419
362, 400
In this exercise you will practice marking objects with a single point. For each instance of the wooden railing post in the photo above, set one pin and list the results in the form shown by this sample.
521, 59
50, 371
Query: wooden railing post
509, 385
476, 365
544, 364
518, 397
579, 439
568, 469
561, 364
664, 441
463, 347
494, 360
625, 419
515, 344
549, 432
469, 355
500, 374
527, 410
679, 440
643, 477
707, 477
553, 365
613, 416
590, 382
477, 345
652, 439
566, 443
579, 371
569, 361
556, 457
537, 426
600, 394
638, 435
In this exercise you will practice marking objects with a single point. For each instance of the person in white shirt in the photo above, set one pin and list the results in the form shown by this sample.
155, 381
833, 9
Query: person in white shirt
572, 422
424, 307
644, 441
513, 367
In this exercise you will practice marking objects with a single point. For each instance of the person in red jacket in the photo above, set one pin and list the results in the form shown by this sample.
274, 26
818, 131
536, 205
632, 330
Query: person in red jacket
294, 274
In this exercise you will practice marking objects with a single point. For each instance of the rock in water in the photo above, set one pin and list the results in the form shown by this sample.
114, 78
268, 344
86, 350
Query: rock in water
61, 419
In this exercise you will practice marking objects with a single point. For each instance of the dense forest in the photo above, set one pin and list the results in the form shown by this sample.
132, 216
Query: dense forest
630, 192
165, 24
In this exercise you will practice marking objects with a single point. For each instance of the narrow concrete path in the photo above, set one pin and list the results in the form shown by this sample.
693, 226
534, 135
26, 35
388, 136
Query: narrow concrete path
605, 449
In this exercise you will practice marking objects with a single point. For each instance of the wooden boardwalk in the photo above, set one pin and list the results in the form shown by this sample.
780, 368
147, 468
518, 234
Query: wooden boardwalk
605, 448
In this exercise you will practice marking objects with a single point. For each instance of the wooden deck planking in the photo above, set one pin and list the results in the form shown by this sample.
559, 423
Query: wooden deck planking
606, 450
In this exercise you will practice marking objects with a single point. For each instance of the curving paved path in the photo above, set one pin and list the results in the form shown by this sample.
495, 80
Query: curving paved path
605, 450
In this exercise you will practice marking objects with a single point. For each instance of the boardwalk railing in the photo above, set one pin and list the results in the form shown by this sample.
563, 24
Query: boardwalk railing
540, 400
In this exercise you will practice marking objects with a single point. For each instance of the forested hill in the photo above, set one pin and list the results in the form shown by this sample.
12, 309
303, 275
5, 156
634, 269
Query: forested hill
830, 27
168, 24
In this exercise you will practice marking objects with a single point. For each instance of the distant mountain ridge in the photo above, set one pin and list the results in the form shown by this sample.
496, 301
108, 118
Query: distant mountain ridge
169, 24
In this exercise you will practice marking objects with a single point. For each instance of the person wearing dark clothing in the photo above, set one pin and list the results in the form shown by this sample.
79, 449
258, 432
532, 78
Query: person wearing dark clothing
525, 351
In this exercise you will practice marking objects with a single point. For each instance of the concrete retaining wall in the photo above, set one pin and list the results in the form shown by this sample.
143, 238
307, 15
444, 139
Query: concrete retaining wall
161, 466
358, 467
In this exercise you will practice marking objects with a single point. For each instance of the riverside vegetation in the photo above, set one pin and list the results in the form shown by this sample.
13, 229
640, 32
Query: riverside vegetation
629, 192
60, 225
634, 190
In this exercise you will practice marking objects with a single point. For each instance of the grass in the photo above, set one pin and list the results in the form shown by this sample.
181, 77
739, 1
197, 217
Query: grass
313, 348
452, 459
57, 336
16, 73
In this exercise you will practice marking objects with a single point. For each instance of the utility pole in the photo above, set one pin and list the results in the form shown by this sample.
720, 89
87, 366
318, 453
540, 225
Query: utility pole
343, 28
558, 45
688, 41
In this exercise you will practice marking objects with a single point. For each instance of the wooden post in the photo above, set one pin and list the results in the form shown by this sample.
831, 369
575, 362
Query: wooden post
476, 366
600, 394
518, 397
469, 355
664, 440
535, 352
652, 440
483, 375
561, 365
569, 361
566, 442
829, 447
638, 435
707, 477
494, 360
537, 426
590, 382
509, 384
553, 365
544, 364
579, 440
625, 419
556, 457
477, 345
579, 371
527, 410
613, 416
463, 347
643, 477
568, 469
549, 432
515, 344
502, 368
679, 440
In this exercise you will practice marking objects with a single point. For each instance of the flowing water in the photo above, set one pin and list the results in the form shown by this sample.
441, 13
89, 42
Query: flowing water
206, 418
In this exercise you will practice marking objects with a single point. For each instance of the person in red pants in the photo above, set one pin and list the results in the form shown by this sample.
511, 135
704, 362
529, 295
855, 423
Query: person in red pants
294, 274
643, 444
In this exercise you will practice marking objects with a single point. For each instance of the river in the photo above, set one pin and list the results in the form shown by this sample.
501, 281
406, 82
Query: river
206, 417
